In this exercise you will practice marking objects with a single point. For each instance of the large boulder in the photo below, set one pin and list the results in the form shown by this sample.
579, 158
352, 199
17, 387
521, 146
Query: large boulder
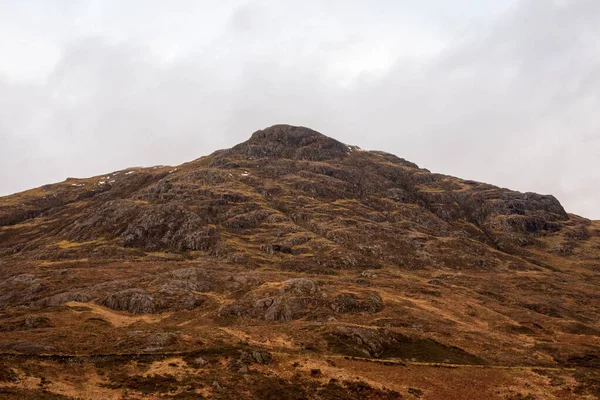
135, 301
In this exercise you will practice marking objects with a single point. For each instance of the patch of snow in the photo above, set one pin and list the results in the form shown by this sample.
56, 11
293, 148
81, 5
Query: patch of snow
245, 173
173, 170
78, 184
101, 183
129, 173
112, 181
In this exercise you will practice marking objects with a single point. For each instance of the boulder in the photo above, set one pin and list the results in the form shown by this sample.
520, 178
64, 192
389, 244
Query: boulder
135, 301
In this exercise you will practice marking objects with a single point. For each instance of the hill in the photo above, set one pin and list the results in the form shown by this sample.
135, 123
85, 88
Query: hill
293, 265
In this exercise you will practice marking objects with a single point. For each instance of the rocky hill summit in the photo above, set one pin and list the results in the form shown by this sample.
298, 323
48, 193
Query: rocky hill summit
295, 243
292, 182
292, 142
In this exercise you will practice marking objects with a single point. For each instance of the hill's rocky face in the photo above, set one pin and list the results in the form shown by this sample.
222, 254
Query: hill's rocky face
294, 242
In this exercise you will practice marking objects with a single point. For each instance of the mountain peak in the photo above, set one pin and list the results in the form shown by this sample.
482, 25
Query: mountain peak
294, 142
285, 132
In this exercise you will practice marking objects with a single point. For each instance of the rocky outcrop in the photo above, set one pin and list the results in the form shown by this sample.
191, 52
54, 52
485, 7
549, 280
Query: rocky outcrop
139, 301
378, 343
135, 301
27, 323
370, 342
187, 279
65, 297
301, 286
26, 348
291, 302
247, 358
291, 142
299, 298
160, 340
169, 226
351, 303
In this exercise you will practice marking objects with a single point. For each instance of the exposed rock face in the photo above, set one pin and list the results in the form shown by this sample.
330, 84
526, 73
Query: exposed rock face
300, 286
169, 226
299, 298
136, 301
292, 301
187, 279
65, 297
291, 142
160, 340
368, 341
27, 323
508, 211
248, 358
349, 303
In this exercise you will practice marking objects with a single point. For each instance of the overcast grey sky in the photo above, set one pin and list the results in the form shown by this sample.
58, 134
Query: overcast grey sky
506, 92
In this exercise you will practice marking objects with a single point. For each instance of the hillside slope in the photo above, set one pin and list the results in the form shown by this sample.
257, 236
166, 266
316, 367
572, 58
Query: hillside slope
256, 266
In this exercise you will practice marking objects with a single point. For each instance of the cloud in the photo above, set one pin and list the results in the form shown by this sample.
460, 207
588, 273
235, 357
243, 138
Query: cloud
510, 101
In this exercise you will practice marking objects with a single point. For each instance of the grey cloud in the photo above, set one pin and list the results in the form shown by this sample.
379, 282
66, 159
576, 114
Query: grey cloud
512, 103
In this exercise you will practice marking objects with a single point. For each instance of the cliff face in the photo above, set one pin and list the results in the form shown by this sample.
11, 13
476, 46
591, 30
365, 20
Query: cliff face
295, 229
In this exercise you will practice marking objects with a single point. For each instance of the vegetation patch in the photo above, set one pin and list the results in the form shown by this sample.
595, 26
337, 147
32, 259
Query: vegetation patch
144, 384
588, 382
30, 394
7, 374
364, 342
